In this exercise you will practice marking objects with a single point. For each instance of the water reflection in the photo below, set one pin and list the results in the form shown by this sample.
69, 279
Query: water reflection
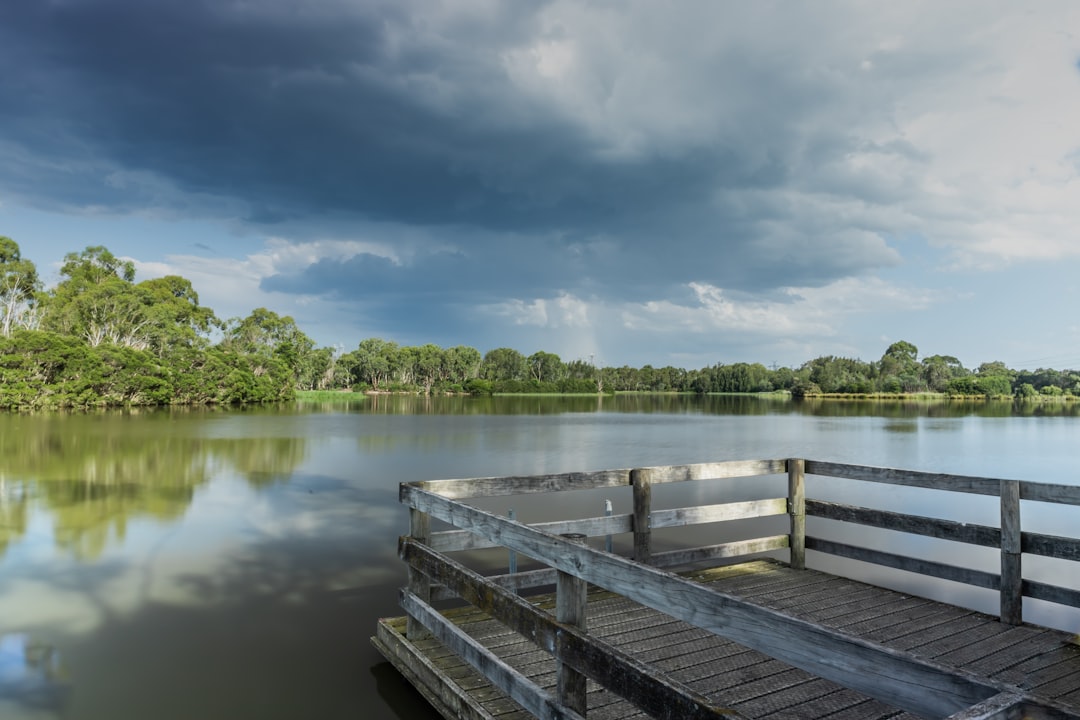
217, 564
93, 474
679, 404
33, 680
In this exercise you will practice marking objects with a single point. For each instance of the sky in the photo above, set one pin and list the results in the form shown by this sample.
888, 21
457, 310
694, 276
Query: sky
631, 182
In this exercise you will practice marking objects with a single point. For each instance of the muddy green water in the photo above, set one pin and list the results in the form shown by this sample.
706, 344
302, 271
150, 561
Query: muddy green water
232, 564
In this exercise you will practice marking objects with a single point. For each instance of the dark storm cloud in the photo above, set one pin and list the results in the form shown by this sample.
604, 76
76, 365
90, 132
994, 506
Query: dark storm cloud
390, 114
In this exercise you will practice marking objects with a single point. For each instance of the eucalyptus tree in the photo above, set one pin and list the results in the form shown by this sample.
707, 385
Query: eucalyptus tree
461, 363
273, 343
503, 364
546, 367
19, 288
96, 302
374, 362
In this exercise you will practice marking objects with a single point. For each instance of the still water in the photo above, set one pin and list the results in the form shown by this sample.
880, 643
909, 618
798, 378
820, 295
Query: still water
231, 564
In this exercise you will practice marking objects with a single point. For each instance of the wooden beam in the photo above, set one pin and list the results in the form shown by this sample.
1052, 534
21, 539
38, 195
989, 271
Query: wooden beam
644, 686
968, 576
455, 540
519, 688
679, 517
642, 486
685, 556
1051, 493
797, 510
914, 524
910, 478
672, 558
520, 485
424, 675
891, 676
1003, 706
1052, 546
419, 530
1012, 581
1051, 593
571, 600
716, 471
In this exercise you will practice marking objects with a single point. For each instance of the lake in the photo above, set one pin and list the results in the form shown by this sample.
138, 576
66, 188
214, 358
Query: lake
232, 563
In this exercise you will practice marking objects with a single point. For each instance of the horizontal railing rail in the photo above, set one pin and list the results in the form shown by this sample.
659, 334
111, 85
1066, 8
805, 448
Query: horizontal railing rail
1009, 537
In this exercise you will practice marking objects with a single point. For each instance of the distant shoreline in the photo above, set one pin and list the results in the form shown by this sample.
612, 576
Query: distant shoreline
343, 395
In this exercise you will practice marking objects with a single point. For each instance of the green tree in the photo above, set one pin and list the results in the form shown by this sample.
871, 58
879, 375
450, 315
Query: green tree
274, 346
428, 363
900, 361
96, 301
373, 362
938, 370
19, 288
546, 367
462, 363
174, 318
503, 364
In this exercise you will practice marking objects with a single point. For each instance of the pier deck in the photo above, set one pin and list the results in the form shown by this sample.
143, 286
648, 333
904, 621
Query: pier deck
743, 634
1040, 663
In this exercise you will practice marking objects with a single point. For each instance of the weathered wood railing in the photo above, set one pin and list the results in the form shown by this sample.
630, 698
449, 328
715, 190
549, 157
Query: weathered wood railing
890, 676
1008, 537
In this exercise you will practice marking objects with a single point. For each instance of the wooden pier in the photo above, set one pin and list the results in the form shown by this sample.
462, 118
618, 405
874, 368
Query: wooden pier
739, 635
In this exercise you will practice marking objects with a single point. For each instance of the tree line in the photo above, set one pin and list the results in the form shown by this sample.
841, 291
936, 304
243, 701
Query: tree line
99, 338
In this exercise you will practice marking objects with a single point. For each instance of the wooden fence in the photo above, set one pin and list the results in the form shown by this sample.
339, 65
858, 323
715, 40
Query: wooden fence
890, 676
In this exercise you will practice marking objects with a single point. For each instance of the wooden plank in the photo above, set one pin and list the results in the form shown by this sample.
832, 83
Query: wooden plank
1012, 581
641, 480
523, 484
1003, 706
615, 670
519, 688
457, 540
1051, 593
673, 558
419, 529
716, 471
444, 695
978, 578
910, 478
718, 513
891, 676
1048, 492
1062, 548
915, 524
797, 510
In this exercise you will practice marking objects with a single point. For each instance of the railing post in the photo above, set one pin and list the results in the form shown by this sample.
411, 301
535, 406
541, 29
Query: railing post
1012, 582
607, 538
419, 585
570, 608
642, 485
512, 559
796, 468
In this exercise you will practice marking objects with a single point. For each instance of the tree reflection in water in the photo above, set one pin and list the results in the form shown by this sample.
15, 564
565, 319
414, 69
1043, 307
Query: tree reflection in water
93, 474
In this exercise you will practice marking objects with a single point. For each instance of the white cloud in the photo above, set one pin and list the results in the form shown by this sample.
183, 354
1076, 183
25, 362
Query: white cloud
803, 313
232, 286
562, 311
